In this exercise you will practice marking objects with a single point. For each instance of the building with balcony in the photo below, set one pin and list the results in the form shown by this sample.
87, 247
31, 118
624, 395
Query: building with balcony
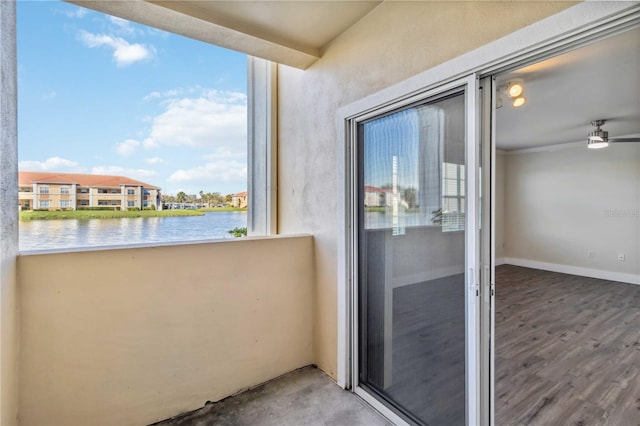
525, 313
73, 191
239, 200
377, 197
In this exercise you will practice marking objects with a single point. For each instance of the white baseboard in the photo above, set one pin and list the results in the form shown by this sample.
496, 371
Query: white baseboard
573, 270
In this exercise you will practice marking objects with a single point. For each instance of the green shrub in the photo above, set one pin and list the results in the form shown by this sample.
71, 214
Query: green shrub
100, 208
238, 232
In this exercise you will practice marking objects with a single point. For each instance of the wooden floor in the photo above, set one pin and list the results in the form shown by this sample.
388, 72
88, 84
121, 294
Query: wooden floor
567, 349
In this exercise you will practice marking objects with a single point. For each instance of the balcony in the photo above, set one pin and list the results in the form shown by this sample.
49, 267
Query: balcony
170, 329
303, 397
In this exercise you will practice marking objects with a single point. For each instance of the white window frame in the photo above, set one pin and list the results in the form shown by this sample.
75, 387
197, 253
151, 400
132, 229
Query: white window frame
65, 190
41, 204
67, 202
262, 147
43, 189
460, 197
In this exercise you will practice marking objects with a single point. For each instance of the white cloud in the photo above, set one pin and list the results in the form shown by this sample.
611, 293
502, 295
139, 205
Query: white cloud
168, 94
50, 164
213, 119
124, 53
122, 26
211, 173
77, 13
120, 23
121, 171
155, 160
128, 147
48, 96
225, 153
149, 143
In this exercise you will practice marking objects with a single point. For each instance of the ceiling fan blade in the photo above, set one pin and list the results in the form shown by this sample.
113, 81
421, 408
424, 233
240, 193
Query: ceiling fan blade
616, 140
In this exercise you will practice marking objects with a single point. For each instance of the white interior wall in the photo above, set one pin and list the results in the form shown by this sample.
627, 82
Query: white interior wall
561, 204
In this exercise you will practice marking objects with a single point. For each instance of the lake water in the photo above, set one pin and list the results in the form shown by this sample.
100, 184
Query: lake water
69, 233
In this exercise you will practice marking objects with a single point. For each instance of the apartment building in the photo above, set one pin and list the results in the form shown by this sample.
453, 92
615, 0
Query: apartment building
54, 191
239, 200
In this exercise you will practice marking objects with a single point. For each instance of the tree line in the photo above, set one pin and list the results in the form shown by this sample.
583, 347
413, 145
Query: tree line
209, 199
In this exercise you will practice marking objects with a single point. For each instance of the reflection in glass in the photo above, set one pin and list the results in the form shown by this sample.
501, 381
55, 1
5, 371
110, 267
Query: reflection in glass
411, 252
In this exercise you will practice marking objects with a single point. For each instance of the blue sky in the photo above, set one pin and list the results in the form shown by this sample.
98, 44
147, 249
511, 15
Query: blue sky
101, 95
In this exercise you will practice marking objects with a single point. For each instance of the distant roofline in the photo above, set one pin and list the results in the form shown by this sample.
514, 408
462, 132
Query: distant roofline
29, 178
369, 188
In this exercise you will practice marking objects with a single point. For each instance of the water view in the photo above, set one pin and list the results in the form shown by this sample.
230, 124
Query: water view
70, 233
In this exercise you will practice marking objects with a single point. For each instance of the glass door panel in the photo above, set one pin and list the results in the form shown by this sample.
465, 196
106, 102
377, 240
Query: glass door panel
413, 261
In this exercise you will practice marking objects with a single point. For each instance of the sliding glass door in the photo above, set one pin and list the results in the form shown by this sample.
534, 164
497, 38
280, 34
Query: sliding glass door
416, 264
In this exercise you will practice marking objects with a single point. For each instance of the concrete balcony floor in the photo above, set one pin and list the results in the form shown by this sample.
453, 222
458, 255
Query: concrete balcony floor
302, 397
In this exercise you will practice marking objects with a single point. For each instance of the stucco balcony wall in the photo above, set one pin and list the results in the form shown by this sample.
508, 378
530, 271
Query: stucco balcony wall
137, 335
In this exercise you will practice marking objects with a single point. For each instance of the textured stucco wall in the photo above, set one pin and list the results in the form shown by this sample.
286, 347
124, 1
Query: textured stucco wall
393, 42
133, 336
8, 217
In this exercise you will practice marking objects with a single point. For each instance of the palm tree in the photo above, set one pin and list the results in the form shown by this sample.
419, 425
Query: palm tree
181, 197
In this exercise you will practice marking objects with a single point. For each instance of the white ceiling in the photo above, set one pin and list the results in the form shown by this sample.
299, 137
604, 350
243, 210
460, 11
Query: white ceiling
565, 93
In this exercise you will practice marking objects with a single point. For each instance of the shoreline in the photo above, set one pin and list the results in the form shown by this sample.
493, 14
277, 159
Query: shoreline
28, 216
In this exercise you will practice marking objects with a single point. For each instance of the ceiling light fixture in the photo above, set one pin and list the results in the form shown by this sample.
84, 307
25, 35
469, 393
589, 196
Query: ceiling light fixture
515, 90
598, 138
519, 101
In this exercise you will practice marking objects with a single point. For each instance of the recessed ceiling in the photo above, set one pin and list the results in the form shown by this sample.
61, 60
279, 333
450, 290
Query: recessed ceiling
565, 93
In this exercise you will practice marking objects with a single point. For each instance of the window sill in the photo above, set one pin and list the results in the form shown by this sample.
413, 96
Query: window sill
156, 244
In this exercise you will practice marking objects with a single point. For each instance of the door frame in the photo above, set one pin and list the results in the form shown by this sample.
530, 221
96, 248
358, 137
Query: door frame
572, 28
469, 86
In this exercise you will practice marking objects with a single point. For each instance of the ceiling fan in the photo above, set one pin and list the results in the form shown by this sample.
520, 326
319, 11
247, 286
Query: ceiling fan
600, 138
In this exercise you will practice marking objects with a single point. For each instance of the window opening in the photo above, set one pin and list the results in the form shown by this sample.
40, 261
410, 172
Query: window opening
168, 122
